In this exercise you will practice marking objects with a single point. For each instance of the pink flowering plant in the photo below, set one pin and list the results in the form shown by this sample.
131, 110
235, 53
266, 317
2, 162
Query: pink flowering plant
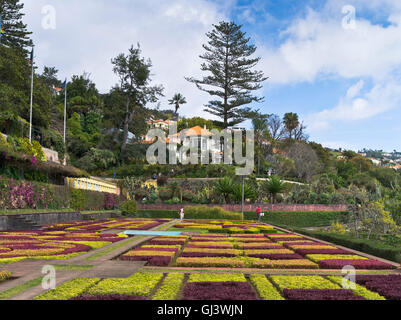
23, 195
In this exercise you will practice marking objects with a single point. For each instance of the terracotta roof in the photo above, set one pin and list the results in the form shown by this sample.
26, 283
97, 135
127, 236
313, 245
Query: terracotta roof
195, 131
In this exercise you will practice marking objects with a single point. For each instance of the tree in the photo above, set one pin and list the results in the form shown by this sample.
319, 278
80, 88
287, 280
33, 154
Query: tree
83, 95
305, 160
49, 78
291, 122
134, 87
177, 101
224, 187
273, 187
232, 79
276, 129
15, 31
15, 82
262, 136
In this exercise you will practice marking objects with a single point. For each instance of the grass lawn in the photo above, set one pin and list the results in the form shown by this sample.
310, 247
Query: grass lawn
12, 292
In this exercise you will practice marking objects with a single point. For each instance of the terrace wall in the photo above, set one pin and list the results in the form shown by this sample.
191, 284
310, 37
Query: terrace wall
252, 207
22, 221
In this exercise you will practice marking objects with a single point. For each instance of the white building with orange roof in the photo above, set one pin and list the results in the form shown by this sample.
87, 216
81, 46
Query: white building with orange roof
197, 138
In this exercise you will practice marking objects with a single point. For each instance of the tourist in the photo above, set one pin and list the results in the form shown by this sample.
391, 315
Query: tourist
259, 213
182, 214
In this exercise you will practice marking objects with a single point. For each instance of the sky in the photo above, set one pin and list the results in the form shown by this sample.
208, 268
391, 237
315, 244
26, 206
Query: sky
337, 63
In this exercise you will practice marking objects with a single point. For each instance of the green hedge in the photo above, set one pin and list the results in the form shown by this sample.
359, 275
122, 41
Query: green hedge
191, 213
300, 219
372, 247
292, 219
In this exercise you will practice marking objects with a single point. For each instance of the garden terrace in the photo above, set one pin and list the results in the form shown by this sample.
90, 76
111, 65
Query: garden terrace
224, 286
67, 240
263, 248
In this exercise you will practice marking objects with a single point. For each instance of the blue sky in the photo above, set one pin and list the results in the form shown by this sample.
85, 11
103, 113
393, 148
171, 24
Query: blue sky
343, 80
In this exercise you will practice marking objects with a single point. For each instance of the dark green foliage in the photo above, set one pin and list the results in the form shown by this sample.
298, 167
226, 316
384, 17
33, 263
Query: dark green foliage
16, 34
129, 208
300, 219
79, 199
227, 59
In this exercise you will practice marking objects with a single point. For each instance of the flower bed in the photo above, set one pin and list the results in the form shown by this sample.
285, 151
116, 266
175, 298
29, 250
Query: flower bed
388, 286
108, 297
51, 244
210, 262
212, 291
265, 288
168, 241
225, 277
357, 289
170, 287
305, 252
313, 294
363, 264
284, 264
302, 282
140, 284
320, 257
152, 257
4, 275
68, 290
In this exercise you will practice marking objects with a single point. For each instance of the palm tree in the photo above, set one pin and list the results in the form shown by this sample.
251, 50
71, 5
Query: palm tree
291, 122
225, 187
274, 186
177, 100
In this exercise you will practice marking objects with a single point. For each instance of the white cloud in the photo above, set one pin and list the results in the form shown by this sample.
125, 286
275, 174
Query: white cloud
90, 33
317, 46
358, 106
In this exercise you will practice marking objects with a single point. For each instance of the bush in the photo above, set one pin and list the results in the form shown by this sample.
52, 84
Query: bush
110, 201
79, 199
175, 200
165, 194
203, 212
129, 208
188, 196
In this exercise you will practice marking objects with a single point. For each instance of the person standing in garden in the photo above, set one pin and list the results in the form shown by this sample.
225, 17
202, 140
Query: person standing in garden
259, 213
182, 214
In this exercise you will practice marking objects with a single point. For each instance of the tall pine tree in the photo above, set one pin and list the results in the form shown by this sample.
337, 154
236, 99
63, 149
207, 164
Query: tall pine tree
232, 79
15, 34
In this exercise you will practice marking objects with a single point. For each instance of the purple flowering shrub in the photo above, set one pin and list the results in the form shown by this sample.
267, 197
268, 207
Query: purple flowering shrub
219, 291
110, 201
23, 195
388, 286
320, 294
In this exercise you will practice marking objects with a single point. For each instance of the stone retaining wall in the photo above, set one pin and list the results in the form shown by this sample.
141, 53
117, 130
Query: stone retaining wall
8, 222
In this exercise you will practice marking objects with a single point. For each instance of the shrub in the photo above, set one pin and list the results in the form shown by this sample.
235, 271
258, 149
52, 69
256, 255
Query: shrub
175, 200
110, 201
203, 212
188, 196
165, 194
79, 199
129, 207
